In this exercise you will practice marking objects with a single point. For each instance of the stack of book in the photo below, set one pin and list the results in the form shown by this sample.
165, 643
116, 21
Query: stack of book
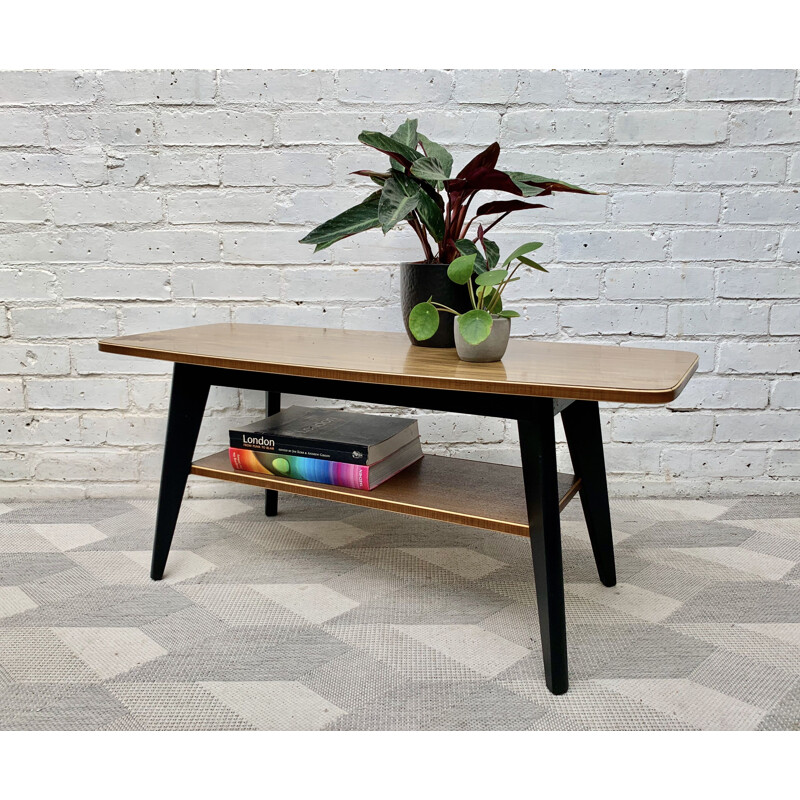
341, 448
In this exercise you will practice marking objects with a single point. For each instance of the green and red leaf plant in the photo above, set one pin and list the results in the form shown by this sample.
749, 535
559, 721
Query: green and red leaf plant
418, 189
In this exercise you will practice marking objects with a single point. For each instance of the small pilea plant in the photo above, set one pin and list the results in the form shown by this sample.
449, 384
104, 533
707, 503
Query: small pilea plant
486, 295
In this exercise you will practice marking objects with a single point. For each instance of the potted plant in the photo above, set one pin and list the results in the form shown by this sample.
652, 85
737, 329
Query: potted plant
481, 334
418, 189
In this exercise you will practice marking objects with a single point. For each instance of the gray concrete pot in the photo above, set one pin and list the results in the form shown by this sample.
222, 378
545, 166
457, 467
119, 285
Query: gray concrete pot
492, 348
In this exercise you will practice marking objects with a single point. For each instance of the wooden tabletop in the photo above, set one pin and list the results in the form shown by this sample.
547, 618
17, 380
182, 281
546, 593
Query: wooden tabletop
543, 369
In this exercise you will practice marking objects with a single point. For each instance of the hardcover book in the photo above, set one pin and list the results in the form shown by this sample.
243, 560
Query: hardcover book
318, 470
326, 434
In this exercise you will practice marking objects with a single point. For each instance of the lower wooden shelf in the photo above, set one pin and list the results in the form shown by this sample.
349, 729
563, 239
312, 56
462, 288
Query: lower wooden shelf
474, 493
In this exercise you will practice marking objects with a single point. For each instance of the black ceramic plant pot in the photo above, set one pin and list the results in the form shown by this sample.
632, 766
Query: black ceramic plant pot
420, 282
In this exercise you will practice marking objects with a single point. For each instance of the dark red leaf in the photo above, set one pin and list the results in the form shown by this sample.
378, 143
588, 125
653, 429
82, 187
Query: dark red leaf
485, 160
505, 206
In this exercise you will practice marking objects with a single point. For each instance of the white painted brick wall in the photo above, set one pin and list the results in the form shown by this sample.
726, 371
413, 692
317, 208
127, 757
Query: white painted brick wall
133, 201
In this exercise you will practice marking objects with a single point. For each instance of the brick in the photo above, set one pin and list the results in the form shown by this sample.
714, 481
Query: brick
221, 206
490, 86
611, 246
268, 247
33, 359
768, 126
601, 168
174, 169
794, 169
755, 358
61, 246
740, 84
713, 392
394, 86
784, 319
26, 284
93, 466
371, 318
46, 87
714, 463
160, 86
622, 459
785, 394
677, 282
164, 246
662, 426
56, 323
544, 87
758, 282
327, 315
237, 283
562, 208
658, 208
112, 283
21, 205
22, 128
727, 245
102, 206
784, 462
790, 246
76, 131
625, 85
15, 466
314, 206
12, 397
535, 319
49, 169
216, 127
88, 360
676, 126
34, 428
326, 127
64, 393
772, 426
3, 322
279, 168
732, 167
770, 207
480, 128
591, 319
560, 283
736, 319
275, 85
337, 283
140, 318
122, 431
453, 428
557, 126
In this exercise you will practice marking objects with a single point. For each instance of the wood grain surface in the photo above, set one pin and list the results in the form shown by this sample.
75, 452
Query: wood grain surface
543, 369
474, 493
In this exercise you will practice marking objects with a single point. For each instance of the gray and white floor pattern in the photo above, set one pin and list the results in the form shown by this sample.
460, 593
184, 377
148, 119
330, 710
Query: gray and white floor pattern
334, 617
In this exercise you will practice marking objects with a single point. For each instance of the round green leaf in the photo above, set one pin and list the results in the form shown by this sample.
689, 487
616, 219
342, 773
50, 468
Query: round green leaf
492, 278
460, 269
508, 313
475, 326
521, 251
423, 321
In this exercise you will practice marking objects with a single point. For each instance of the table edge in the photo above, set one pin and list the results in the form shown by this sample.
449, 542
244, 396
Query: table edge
640, 396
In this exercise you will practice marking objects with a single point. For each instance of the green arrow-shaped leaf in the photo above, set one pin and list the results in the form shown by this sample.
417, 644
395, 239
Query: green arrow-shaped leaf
399, 197
380, 141
438, 152
431, 216
428, 169
468, 248
355, 220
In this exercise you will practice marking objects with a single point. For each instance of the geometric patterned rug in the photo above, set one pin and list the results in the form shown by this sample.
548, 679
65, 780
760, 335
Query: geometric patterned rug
331, 617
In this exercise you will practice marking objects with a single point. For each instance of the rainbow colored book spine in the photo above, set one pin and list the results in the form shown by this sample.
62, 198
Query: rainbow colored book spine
316, 470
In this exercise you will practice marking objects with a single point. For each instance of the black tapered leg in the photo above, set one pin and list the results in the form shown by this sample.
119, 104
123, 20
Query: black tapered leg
186, 406
585, 439
538, 449
272, 406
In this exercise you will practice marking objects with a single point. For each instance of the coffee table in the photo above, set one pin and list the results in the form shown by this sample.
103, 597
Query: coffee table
533, 383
